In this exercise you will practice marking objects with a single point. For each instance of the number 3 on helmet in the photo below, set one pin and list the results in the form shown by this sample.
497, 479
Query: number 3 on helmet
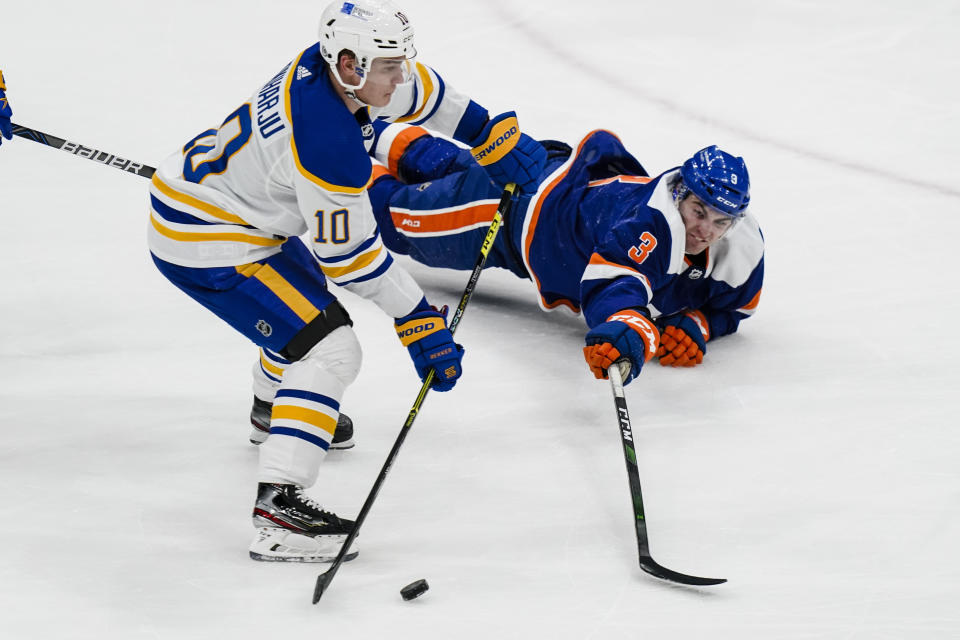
719, 179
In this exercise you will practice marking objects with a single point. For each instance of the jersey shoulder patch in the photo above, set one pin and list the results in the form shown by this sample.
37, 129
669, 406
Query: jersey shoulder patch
327, 141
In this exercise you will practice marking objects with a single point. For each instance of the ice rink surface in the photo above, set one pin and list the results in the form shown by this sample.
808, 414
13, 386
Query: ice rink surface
812, 459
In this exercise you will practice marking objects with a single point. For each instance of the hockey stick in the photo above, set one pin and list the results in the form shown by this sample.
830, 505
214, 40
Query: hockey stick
324, 579
647, 563
78, 149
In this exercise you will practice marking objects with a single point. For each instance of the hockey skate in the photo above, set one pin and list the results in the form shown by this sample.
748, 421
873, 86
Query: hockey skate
291, 527
260, 420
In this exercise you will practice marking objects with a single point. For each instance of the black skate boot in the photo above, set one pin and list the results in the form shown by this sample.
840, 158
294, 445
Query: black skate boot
260, 419
291, 527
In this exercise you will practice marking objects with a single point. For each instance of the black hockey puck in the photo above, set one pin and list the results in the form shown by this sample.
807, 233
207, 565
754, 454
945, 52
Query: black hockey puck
414, 589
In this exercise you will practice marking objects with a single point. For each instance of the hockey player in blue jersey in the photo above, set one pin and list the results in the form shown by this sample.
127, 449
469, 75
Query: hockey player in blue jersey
657, 266
226, 215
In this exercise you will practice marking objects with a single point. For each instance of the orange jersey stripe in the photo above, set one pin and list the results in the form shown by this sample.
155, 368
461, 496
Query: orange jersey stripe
620, 178
444, 222
750, 306
378, 171
596, 258
562, 302
535, 216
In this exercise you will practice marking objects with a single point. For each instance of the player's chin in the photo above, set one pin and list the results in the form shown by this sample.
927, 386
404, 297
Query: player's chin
383, 100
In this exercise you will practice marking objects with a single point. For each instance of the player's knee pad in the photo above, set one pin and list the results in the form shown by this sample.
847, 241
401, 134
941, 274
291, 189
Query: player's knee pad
338, 354
332, 317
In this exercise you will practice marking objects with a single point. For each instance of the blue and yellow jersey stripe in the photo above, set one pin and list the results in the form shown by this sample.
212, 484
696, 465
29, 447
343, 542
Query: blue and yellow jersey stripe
286, 292
187, 230
427, 98
305, 415
182, 217
367, 261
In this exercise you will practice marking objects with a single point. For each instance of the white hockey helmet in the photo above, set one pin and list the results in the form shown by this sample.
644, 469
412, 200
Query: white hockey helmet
369, 29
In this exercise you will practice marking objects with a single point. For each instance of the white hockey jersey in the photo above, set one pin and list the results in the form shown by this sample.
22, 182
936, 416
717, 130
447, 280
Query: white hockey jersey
293, 160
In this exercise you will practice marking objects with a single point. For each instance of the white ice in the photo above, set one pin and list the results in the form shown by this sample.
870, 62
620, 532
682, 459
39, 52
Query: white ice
812, 459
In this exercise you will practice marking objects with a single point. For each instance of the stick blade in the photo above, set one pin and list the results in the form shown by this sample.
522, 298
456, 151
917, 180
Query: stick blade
649, 565
322, 581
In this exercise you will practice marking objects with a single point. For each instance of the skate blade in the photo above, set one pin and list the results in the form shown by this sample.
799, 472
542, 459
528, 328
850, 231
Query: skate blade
258, 436
279, 545
339, 446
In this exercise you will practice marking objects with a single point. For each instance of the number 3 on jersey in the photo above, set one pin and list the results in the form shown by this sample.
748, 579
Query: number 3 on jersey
647, 244
333, 227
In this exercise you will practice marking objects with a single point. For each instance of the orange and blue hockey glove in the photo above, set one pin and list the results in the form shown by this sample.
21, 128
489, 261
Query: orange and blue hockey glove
683, 340
6, 128
430, 344
626, 334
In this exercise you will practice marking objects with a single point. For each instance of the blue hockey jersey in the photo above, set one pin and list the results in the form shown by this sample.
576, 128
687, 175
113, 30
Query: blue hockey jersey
598, 239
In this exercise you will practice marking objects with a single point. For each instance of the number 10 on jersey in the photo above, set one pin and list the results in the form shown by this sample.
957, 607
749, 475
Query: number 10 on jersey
333, 227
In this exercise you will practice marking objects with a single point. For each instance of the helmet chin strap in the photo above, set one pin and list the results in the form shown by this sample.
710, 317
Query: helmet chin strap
351, 89
353, 96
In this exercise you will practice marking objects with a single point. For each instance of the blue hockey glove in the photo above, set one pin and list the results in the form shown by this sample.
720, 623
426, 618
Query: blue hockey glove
6, 129
627, 334
425, 334
509, 155
427, 158
683, 340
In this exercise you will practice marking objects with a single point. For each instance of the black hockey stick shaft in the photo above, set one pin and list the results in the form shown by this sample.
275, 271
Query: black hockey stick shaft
77, 149
324, 579
647, 563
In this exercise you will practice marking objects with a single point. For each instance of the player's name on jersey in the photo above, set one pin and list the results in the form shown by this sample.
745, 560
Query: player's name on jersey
268, 103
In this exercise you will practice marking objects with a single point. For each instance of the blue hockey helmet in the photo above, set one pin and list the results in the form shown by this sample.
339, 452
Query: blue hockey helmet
719, 179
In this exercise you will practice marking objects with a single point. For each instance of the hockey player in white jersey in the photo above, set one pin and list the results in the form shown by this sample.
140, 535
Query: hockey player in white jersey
227, 213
